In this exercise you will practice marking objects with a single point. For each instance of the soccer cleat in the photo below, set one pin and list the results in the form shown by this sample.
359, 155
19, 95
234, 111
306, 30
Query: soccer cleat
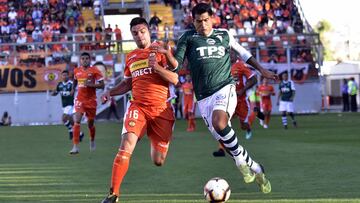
248, 175
112, 198
248, 135
74, 150
82, 134
92, 145
219, 153
266, 126
263, 182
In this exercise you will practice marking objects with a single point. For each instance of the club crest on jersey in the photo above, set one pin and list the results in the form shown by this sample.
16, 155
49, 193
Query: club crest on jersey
210, 41
131, 123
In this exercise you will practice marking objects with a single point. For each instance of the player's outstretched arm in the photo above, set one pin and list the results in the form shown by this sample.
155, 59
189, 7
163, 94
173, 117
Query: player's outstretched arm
265, 73
99, 85
121, 88
249, 59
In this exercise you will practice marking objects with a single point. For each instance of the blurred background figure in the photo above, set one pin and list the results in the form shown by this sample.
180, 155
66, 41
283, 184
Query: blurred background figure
6, 119
345, 96
353, 89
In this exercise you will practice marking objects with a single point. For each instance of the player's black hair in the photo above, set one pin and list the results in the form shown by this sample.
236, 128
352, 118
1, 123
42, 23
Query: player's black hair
65, 71
85, 54
137, 21
200, 9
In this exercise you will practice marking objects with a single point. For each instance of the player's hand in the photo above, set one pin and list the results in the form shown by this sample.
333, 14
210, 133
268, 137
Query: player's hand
153, 62
269, 74
105, 97
160, 47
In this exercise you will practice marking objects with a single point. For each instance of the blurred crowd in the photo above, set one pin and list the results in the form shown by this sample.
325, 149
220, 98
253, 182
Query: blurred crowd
255, 22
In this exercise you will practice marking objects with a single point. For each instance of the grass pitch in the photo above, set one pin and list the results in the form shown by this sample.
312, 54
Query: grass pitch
317, 162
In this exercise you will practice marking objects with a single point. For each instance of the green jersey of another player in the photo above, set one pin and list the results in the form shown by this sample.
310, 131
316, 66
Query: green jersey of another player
208, 53
209, 59
286, 98
67, 100
64, 88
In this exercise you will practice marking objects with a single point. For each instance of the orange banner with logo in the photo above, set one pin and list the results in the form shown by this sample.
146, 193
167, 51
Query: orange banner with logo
28, 79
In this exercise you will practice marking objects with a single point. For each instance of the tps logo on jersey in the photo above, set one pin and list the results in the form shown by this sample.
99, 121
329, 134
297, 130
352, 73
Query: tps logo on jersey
211, 52
210, 41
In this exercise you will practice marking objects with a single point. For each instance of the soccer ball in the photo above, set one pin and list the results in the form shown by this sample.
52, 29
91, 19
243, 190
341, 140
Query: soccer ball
217, 190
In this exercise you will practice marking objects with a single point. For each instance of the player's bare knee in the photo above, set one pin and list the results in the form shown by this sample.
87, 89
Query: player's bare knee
128, 142
219, 121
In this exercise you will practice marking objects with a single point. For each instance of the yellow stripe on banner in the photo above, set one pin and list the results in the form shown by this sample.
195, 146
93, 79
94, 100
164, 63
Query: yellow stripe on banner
139, 65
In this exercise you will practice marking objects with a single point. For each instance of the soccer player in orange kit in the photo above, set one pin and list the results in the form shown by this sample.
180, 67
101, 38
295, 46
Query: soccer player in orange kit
87, 79
266, 91
245, 79
149, 111
189, 103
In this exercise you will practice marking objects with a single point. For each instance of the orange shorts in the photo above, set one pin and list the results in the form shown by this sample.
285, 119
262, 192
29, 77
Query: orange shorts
156, 122
89, 109
266, 106
243, 110
189, 106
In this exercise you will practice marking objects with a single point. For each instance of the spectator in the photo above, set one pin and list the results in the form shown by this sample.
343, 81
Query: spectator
154, 32
37, 35
12, 14
155, 20
167, 32
176, 30
345, 95
108, 35
97, 12
89, 30
352, 90
118, 37
6, 119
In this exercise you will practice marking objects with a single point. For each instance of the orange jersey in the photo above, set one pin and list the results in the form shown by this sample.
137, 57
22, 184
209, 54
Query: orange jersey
265, 91
241, 74
188, 91
81, 74
148, 88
